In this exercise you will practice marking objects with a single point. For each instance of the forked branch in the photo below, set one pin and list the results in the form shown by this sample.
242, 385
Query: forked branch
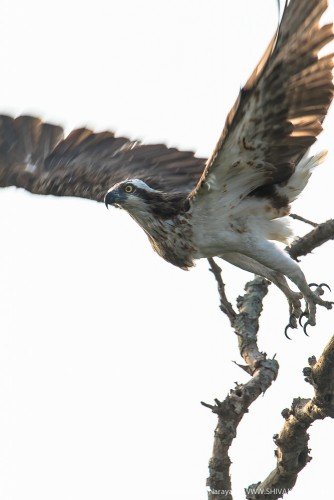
230, 411
292, 452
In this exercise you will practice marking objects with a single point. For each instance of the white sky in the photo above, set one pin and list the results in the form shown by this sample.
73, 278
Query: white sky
106, 350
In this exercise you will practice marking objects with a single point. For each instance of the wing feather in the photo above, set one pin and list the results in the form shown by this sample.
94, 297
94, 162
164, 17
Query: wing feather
278, 113
36, 156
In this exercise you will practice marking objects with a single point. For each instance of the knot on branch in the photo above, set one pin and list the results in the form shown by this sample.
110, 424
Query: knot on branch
312, 360
298, 404
285, 414
308, 374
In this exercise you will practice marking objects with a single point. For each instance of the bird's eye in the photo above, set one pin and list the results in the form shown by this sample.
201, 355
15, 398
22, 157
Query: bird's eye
128, 188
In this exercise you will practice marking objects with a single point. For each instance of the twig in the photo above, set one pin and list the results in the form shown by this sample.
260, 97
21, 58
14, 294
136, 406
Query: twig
299, 217
225, 305
292, 451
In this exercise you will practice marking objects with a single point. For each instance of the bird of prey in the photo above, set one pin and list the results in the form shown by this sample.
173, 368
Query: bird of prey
233, 205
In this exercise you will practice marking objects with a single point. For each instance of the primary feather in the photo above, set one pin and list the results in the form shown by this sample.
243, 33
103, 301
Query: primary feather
37, 157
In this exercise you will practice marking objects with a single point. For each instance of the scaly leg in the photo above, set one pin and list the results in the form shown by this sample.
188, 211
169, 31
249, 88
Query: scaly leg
270, 255
248, 264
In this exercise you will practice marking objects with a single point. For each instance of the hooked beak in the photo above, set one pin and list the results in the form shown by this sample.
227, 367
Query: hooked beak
113, 197
109, 199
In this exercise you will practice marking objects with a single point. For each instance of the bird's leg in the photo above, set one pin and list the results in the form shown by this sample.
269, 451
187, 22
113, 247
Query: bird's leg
294, 302
268, 254
248, 264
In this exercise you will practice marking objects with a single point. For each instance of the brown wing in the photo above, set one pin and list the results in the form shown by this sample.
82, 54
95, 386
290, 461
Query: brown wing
279, 112
35, 156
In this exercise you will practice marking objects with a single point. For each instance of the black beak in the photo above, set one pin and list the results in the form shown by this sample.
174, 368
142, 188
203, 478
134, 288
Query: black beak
109, 199
114, 197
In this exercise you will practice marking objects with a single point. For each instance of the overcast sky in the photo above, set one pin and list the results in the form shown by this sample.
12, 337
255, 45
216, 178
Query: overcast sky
106, 350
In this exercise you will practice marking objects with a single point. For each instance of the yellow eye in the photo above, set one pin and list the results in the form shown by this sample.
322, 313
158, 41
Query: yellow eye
128, 188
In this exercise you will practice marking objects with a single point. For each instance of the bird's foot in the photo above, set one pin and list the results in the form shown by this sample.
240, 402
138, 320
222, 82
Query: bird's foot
312, 300
295, 312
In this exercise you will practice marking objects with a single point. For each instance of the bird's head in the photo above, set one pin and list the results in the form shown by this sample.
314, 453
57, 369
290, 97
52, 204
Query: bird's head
138, 198
131, 195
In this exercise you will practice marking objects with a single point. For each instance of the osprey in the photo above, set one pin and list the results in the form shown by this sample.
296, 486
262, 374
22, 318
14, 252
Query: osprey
233, 205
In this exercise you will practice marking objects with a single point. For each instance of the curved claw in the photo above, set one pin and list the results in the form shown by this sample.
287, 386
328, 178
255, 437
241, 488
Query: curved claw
325, 284
286, 331
320, 286
292, 324
305, 326
303, 315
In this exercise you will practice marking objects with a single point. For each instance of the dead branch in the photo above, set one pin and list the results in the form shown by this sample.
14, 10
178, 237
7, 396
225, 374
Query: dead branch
236, 404
263, 372
292, 451
302, 219
315, 238
225, 305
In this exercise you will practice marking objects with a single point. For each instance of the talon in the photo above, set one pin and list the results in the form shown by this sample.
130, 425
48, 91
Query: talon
292, 324
303, 315
325, 284
286, 331
313, 284
293, 321
305, 326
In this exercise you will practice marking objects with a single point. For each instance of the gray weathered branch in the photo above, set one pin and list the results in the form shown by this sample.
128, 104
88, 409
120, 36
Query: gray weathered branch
292, 451
236, 404
263, 372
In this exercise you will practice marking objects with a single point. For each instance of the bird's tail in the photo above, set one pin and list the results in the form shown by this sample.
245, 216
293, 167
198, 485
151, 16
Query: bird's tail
300, 177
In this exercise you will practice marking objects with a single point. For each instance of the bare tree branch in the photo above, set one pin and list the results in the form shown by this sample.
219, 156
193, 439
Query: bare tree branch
292, 456
292, 442
236, 404
318, 236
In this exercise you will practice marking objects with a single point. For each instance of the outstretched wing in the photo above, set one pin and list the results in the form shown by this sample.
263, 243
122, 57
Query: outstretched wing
36, 156
278, 113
